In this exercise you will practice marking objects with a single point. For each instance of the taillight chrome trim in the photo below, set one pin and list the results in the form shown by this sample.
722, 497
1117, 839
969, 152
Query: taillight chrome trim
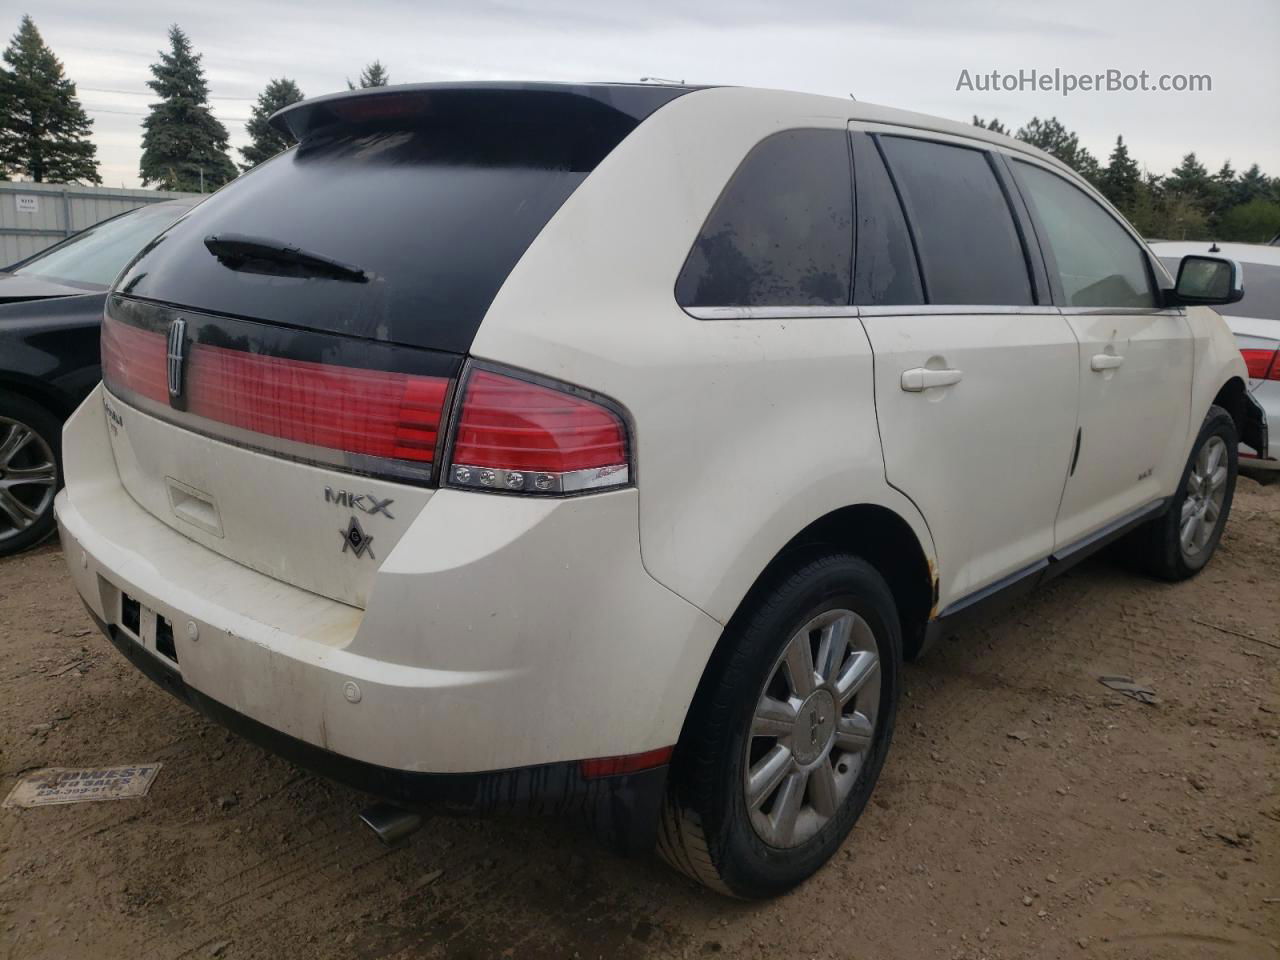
540, 482
536, 483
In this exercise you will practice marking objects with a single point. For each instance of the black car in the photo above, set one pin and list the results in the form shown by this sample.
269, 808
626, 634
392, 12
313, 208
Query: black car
50, 310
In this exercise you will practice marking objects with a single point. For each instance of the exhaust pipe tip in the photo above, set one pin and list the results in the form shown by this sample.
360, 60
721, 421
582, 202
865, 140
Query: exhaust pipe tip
390, 824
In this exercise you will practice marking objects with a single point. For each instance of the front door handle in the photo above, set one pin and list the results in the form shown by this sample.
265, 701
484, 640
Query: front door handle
922, 378
1105, 361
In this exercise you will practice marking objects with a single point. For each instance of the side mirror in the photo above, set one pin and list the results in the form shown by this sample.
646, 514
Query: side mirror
1206, 281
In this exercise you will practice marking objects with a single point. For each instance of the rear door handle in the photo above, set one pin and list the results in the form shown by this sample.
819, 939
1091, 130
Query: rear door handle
922, 378
1105, 361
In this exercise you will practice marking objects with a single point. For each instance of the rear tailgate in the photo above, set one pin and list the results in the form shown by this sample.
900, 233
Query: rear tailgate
304, 456
279, 365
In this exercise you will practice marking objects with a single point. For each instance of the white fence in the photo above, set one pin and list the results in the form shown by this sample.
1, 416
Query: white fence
37, 215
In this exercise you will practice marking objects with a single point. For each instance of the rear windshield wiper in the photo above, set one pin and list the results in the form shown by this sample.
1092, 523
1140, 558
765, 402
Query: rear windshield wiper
238, 251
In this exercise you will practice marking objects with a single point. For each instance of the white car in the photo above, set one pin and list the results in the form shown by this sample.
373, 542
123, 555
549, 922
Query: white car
607, 447
1255, 321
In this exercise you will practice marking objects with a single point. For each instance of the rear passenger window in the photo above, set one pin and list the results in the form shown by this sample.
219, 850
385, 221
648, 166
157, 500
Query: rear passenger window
1098, 262
885, 271
781, 233
965, 234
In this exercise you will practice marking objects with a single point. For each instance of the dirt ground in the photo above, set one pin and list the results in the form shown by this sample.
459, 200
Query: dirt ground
1025, 810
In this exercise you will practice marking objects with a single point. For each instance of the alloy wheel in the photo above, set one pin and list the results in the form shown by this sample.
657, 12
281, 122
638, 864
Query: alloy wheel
1206, 491
812, 728
28, 477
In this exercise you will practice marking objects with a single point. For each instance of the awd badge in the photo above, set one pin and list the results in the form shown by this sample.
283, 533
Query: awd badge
357, 540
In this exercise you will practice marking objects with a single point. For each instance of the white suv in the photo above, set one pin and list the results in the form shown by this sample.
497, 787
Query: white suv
607, 447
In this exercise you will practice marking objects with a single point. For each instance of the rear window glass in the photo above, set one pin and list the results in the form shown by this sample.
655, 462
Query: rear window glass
781, 233
96, 255
964, 231
885, 267
1261, 290
435, 217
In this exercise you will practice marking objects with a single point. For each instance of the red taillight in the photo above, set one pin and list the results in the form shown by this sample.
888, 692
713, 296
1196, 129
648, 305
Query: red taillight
525, 437
394, 418
599, 767
1262, 364
133, 360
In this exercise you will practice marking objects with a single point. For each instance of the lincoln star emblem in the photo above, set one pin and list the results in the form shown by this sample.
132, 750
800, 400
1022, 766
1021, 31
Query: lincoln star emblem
357, 540
176, 355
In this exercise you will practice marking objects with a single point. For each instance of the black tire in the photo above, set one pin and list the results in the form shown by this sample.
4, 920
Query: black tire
1157, 546
706, 830
16, 409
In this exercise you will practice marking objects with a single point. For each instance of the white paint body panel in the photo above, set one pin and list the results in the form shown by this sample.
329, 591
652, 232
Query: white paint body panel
950, 448
747, 431
1133, 418
270, 512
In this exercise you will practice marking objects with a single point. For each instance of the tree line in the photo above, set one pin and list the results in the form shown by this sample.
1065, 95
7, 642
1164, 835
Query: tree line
44, 131
1189, 203
45, 135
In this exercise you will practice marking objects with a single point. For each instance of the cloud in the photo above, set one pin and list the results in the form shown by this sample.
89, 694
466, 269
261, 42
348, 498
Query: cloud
905, 54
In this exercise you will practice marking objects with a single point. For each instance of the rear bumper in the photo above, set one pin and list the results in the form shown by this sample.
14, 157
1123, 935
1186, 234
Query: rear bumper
622, 810
501, 635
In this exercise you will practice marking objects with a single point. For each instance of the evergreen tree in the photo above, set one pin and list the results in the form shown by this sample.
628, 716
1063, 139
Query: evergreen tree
374, 75
1057, 141
1121, 179
1221, 194
1251, 185
265, 140
184, 147
44, 132
1191, 180
994, 125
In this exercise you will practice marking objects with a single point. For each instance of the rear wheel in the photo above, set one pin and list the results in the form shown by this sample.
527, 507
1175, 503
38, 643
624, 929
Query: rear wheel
1178, 544
29, 472
788, 732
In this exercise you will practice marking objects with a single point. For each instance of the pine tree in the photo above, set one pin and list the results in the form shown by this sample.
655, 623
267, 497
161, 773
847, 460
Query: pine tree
1252, 184
1121, 178
1191, 180
1221, 195
184, 147
994, 125
44, 132
1057, 141
265, 140
374, 75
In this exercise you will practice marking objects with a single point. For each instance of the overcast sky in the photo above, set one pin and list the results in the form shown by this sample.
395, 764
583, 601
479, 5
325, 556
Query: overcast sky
908, 53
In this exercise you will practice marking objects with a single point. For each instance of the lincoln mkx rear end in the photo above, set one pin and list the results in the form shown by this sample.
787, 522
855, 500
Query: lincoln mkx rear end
300, 503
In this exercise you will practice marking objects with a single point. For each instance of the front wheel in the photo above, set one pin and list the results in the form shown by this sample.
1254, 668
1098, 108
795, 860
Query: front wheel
1178, 544
788, 732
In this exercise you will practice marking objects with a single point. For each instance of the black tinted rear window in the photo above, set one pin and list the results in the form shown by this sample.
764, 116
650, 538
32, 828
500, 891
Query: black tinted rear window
886, 273
781, 233
964, 231
436, 216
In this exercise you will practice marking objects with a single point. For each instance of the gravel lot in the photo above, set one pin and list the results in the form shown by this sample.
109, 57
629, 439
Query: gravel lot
1025, 810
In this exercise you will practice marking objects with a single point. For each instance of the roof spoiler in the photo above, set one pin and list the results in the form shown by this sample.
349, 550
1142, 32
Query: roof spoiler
428, 102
